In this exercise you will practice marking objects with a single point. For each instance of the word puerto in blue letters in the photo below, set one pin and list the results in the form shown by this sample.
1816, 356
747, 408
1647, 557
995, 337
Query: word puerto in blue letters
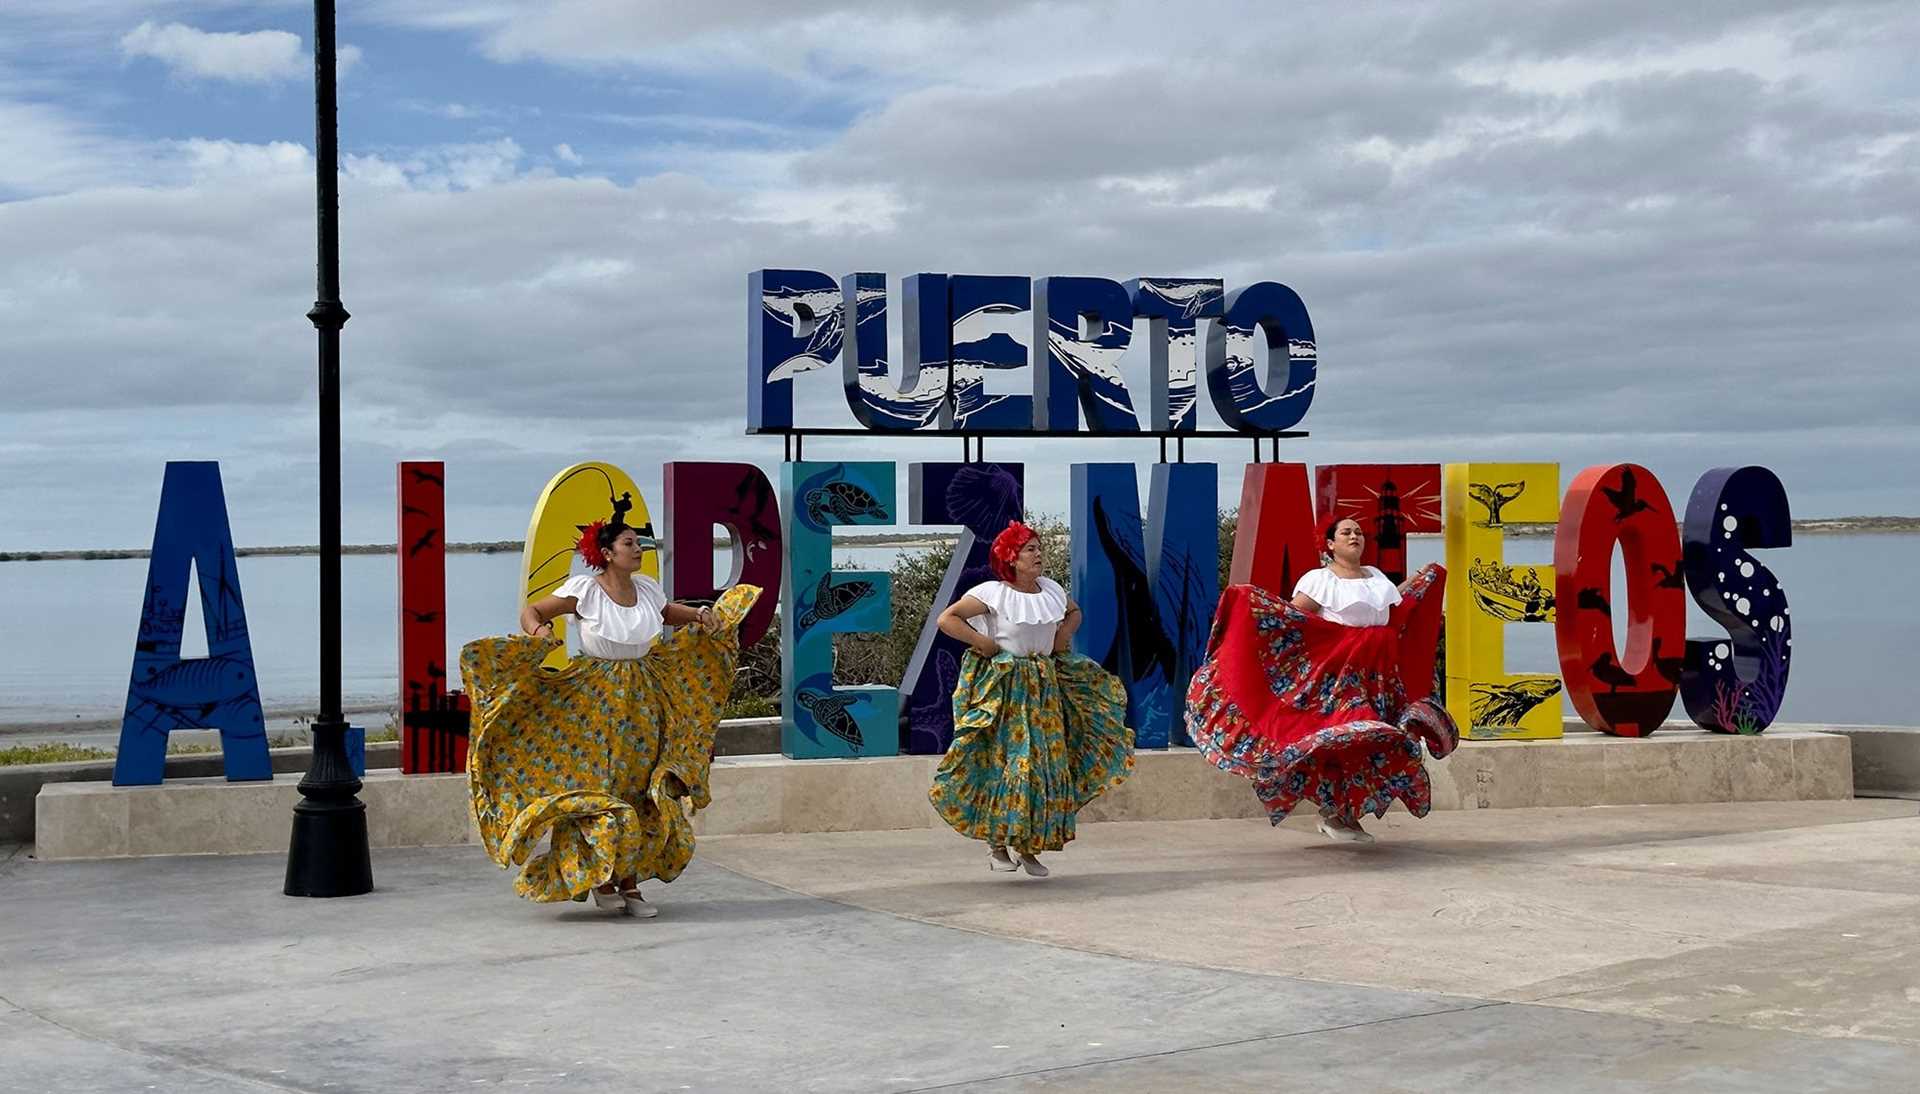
961, 328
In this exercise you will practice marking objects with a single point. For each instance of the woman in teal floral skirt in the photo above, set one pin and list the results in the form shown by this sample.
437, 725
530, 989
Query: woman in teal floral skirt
1038, 731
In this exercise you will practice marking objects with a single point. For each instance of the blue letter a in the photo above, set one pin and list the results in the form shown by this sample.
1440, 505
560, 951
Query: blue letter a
218, 691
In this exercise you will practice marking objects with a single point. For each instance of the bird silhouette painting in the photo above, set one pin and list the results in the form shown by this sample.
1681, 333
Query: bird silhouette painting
1626, 499
1501, 706
1495, 498
1609, 672
1594, 600
1669, 667
1671, 577
756, 515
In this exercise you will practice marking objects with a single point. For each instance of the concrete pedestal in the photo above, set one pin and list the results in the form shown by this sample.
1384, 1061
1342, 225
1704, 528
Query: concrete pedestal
763, 794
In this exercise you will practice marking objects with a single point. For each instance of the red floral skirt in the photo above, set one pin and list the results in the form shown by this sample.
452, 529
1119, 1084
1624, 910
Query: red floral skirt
1313, 710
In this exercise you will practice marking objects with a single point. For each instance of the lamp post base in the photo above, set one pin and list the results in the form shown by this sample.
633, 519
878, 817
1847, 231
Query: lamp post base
328, 854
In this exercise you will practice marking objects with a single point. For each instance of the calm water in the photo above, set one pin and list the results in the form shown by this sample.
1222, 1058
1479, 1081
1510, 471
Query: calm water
66, 648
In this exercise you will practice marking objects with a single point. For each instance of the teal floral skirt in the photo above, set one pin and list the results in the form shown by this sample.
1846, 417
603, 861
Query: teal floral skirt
1035, 738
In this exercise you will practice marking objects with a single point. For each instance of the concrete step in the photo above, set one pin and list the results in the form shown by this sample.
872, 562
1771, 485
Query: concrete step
1886, 760
768, 793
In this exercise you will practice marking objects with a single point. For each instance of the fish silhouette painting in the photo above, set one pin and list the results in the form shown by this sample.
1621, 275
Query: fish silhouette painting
1499, 706
983, 498
186, 694
830, 713
215, 679
830, 600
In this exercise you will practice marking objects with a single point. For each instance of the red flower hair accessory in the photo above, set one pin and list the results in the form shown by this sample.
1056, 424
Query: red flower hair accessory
1006, 546
589, 545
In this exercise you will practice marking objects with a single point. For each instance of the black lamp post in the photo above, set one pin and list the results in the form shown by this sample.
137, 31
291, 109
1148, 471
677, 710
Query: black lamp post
328, 854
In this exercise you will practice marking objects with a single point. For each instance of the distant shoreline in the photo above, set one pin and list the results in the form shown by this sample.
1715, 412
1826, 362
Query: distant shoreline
1817, 527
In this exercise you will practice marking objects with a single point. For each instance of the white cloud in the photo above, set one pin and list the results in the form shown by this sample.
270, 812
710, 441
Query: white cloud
565, 154
441, 167
258, 57
1603, 242
46, 149
238, 158
261, 56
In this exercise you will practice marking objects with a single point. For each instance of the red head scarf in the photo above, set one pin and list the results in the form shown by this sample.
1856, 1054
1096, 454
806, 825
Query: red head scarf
1006, 545
589, 545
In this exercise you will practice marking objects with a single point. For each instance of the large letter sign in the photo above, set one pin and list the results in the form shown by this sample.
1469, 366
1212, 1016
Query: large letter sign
1147, 592
737, 497
1628, 693
1735, 684
434, 722
876, 403
1275, 541
219, 691
818, 602
1276, 314
1484, 595
987, 345
990, 357
794, 327
981, 498
1073, 370
1171, 308
573, 499
1390, 500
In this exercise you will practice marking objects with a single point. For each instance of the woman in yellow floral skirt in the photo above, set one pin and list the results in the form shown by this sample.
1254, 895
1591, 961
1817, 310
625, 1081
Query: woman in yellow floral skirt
1038, 731
598, 756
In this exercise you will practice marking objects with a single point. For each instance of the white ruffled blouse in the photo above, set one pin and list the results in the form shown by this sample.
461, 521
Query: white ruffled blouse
612, 630
1355, 601
1022, 623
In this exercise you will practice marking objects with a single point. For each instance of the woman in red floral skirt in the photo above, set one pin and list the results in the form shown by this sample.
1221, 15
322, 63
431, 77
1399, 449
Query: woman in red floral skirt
1325, 698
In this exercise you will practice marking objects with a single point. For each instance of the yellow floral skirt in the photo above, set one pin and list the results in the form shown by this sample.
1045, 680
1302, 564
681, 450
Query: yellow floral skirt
1034, 740
597, 757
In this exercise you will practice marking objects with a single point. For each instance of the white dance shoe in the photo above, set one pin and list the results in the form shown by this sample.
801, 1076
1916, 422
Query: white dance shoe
1342, 834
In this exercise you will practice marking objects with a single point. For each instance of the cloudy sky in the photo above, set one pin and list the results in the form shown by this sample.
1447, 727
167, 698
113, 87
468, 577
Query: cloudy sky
1678, 234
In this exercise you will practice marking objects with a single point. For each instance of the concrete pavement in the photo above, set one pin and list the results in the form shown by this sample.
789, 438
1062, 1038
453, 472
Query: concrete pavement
1695, 948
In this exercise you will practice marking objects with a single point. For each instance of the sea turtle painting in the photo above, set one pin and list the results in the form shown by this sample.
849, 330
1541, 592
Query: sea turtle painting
830, 600
844, 500
830, 713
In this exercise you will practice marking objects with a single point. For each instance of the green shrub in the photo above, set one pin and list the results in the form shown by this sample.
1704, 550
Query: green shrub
21, 755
